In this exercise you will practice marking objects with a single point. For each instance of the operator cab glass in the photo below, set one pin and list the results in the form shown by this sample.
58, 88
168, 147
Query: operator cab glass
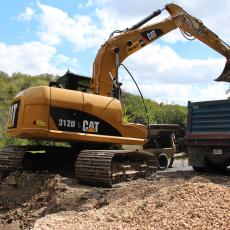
73, 82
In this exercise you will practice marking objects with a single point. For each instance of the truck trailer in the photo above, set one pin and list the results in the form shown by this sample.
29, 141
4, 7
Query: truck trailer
208, 135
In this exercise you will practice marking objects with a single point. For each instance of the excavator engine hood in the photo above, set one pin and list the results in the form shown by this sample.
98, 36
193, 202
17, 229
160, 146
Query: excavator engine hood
225, 75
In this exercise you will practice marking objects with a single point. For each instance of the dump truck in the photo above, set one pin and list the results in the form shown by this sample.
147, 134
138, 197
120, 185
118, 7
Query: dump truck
208, 135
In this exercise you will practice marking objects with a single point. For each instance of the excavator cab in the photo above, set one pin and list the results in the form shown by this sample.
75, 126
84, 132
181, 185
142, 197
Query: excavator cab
73, 82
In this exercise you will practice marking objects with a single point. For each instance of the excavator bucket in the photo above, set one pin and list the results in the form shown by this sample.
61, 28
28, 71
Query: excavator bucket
225, 76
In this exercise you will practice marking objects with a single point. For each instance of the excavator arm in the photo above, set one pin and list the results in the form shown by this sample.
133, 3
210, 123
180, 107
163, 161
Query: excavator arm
114, 51
192, 26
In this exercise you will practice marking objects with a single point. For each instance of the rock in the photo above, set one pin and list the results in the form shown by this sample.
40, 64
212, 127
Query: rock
101, 202
30, 176
38, 212
16, 225
159, 204
10, 180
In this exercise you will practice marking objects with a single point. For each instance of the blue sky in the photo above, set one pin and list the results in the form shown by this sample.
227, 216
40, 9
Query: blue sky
53, 36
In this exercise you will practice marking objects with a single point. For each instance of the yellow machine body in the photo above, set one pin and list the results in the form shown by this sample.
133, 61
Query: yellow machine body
50, 113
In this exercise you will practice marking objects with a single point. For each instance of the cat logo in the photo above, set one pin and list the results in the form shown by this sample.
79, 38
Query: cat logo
135, 46
90, 126
150, 35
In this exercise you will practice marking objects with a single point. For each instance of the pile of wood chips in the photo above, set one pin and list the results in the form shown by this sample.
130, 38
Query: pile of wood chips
167, 203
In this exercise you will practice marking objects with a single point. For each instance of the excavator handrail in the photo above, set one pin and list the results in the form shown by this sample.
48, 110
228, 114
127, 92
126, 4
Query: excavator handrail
117, 48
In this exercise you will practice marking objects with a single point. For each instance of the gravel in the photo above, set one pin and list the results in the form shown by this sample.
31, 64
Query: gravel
171, 200
196, 203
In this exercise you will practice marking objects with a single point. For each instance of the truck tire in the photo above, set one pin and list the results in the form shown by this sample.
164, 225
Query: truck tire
162, 161
215, 168
199, 169
211, 167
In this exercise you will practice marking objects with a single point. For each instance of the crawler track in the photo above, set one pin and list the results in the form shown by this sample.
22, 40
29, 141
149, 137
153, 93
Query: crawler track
34, 158
11, 158
97, 167
109, 167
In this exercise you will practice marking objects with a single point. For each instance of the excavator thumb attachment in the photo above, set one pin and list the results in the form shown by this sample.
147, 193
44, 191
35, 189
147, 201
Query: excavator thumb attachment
225, 76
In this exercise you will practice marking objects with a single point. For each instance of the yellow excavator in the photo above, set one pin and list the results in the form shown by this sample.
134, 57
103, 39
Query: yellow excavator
89, 117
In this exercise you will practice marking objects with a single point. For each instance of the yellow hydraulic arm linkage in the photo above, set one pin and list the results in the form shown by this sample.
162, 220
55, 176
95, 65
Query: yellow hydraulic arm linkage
113, 52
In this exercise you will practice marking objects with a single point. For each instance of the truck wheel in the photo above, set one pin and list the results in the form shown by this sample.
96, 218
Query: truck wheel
211, 168
199, 169
215, 168
162, 161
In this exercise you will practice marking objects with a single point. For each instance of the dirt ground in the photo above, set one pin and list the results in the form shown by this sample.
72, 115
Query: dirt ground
170, 200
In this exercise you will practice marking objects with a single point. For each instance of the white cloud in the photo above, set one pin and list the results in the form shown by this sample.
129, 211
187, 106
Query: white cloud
215, 15
83, 31
27, 15
157, 63
178, 94
57, 25
33, 58
63, 63
165, 77
89, 3
90, 31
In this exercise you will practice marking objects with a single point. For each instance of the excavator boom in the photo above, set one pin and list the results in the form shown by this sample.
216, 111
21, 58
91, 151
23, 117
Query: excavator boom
118, 48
